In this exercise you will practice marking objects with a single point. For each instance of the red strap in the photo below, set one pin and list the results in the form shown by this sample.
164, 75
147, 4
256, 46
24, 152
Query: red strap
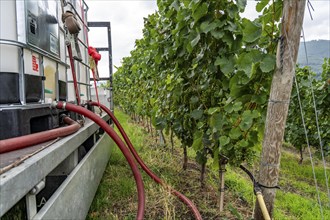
96, 57
94, 54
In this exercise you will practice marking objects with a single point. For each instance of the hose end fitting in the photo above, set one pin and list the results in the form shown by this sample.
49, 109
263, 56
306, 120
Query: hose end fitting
54, 104
62, 116
60, 105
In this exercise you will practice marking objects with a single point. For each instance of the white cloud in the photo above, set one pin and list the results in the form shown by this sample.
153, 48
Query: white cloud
126, 17
319, 27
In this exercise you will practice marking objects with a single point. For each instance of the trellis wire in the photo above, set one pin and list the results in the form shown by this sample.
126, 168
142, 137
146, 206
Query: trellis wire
310, 6
304, 125
309, 148
316, 119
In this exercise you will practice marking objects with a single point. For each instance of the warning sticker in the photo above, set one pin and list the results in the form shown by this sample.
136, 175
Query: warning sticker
35, 65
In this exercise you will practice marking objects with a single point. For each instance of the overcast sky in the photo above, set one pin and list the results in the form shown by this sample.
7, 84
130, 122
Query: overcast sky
126, 17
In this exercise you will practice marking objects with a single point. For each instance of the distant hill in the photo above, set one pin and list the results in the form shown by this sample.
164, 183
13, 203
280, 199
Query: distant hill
317, 50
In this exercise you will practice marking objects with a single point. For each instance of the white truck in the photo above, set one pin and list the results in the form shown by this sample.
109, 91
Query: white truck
56, 179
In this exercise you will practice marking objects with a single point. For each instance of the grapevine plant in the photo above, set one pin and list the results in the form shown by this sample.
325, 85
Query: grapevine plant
295, 133
204, 73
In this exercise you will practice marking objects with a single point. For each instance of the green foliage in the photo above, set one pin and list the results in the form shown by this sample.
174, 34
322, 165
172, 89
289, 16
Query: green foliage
235, 212
106, 85
307, 81
205, 72
297, 198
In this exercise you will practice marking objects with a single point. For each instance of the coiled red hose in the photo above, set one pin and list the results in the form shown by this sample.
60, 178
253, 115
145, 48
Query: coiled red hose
120, 144
16, 143
144, 166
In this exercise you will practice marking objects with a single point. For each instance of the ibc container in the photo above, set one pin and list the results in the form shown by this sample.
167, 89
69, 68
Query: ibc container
34, 64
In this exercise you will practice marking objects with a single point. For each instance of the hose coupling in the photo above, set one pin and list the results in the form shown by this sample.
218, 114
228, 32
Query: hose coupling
54, 104
62, 116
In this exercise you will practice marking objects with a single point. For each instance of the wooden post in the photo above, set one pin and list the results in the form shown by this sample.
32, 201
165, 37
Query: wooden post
172, 142
150, 125
185, 157
162, 140
222, 170
278, 105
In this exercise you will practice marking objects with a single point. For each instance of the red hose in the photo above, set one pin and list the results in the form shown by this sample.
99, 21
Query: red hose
121, 145
144, 166
73, 71
40, 137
